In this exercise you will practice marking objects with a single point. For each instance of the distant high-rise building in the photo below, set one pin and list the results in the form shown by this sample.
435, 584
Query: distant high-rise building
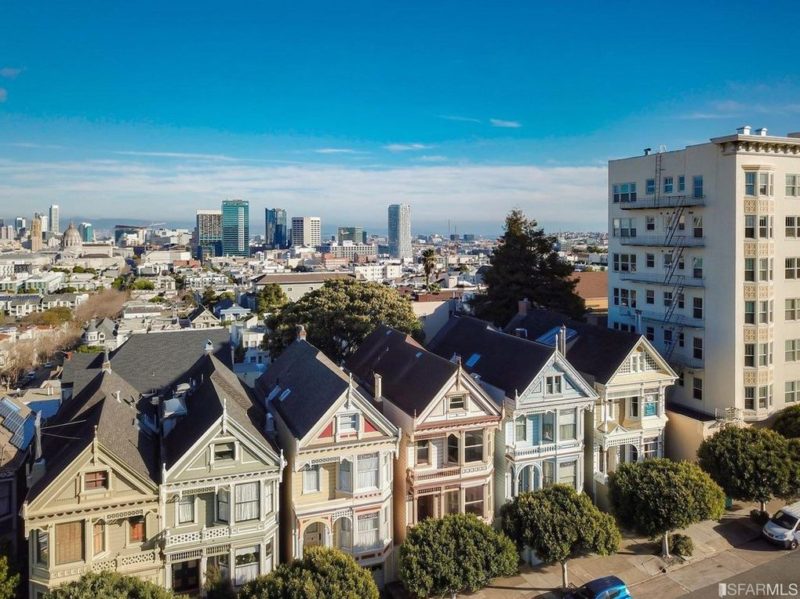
209, 233
354, 234
87, 232
43, 221
276, 230
36, 233
400, 231
306, 231
19, 223
55, 225
235, 228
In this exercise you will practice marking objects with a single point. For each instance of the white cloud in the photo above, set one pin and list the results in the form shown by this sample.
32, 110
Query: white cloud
432, 158
564, 197
176, 155
455, 117
3, 94
9, 72
505, 124
406, 147
336, 151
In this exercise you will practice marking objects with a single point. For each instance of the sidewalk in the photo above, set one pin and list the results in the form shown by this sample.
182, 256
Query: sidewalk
721, 550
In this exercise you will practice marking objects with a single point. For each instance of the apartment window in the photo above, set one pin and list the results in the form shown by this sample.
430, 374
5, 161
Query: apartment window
553, 384
764, 312
750, 269
223, 501
749, 312
697, 307
369, 529
98, 538
668, 184
311, 479
247, 498
792, 393
697, 348
697, 388
650, 296
567, 425
69, 543
93, 481
681, 183
750, 226
650, 186
650, 223
624, 192
667, 336
473, 500
41, 540
186, 509
473, 446
456, 403
650, 333
624, 262
651, 405
650, 260
765, 227
521, 428
764, 396
548, 473
792, 185
763, 354
568, 473
224, 452
749, 398
368, 471
792, 350
792, 309
750, 355
697, 226
268, 497
750, 183
452, 449
547, 427
667, 299
792, 268
650, 449
765, 181
348, 423
697, 267
624, 297
136, 530
423, 452
345, 479
247, 560
793, 226
633, 406
697, 186
624, 227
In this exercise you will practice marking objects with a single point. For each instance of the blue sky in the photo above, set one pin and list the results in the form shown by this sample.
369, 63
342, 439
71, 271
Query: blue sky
463, 109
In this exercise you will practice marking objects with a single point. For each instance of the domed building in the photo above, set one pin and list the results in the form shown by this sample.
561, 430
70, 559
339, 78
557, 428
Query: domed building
71, 239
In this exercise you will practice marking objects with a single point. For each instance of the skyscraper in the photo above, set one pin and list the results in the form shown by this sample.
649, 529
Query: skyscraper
209, 233
43, 222
400, 231
276, 231
306, 231
87, 232
55, 226
235, 228
19, 223
36, 233
354, 234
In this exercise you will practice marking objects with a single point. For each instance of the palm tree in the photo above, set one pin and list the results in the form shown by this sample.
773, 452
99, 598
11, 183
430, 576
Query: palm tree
428, 263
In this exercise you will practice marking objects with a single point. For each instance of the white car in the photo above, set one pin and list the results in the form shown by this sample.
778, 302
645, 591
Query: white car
782, 528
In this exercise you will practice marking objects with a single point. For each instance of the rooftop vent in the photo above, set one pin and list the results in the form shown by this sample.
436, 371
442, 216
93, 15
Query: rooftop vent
209, 346
762, 131
647, 151
745, 130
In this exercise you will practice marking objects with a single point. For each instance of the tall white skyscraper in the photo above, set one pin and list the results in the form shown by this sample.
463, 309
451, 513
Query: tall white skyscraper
400, 231
55, 226
45, 224
307, 231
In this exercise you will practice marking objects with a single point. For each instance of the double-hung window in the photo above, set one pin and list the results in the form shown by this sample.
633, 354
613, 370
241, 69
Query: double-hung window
792, 186
423, 452
749, 312
369, 529
792, 270
368, 470
792, 350
792, 392
568, 473
311, 479
553, 385
697, 348
681, 183
750, 183
521, 428
452, 450
346, 475
650, 405
473, 446
473, 500
247, 502
668, 184
223, 503
567, 425
697, 307
793, 227
650, 186
186, 509
750, 269
697, 186
69, 542
750, 355
792, 309
750, 226
348, 423
749, 398
624, 192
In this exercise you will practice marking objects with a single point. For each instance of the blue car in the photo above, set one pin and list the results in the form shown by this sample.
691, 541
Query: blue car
608, 587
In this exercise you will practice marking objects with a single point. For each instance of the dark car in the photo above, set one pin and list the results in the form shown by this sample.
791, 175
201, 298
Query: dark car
608, 587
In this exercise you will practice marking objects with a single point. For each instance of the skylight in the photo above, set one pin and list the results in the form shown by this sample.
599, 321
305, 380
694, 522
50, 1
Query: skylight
473, 359
549, 338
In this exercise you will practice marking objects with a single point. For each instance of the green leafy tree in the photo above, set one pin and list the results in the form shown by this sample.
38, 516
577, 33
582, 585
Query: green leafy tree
143, 284
217, 586
209, 297
454, 554
50, 317
323, 573
787, 422
271, 299
749, 464
428, 264
658, 496
339, 315
559, 524
8, 580
526, 265
109, 585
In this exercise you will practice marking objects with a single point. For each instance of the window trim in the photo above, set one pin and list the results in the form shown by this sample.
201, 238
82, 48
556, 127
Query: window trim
178, 521
102, 489
307, 489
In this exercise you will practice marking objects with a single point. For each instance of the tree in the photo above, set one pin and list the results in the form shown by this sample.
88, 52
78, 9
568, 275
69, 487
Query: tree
109, 585
209, 297
526, 265
143, 284
339, 315
787, 422
270, 299
323, 573
8, 580
749, 464
559, 524
454, 554
107, 303
50, 317
657, 496
428, 264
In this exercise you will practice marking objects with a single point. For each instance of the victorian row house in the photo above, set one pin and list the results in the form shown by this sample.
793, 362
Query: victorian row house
448, 425
340, 450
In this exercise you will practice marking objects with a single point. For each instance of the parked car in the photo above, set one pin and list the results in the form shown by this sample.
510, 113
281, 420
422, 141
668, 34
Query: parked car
608, 587
782, 528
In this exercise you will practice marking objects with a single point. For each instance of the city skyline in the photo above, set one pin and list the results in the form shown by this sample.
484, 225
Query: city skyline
408, 106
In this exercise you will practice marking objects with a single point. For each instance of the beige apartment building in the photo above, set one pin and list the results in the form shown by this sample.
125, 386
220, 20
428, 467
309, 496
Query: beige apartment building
705, 262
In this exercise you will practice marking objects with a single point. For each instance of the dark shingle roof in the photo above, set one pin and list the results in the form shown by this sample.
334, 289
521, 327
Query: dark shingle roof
311, 382
504, 361
411, 375
595, 351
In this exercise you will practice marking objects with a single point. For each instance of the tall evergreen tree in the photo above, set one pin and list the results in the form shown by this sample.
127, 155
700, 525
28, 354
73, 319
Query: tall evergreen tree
526, 265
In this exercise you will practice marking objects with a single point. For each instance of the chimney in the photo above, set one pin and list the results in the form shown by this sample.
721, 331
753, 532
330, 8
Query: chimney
762, 131
647, 151
523, 306
745, 130
106, 362
209, 347
301, 332
378, 390
562, 341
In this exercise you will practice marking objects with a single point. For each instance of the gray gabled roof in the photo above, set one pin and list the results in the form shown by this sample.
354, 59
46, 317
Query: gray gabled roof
302, 384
